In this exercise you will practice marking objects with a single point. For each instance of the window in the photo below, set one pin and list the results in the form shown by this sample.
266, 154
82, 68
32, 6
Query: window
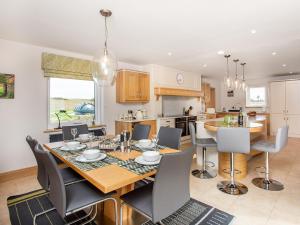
71, 100
256, 97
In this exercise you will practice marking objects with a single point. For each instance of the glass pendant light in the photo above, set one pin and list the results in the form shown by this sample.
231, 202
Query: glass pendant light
237, 83
244, 85
227, 79
104, 66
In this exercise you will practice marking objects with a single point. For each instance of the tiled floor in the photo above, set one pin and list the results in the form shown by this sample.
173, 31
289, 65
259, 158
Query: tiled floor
257, 207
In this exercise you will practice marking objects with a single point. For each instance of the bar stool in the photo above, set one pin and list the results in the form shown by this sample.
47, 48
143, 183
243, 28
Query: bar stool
268, 147
233, 140
204, 173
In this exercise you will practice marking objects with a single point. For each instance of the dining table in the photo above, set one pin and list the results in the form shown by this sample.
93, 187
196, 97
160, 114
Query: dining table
116, 173
258, 130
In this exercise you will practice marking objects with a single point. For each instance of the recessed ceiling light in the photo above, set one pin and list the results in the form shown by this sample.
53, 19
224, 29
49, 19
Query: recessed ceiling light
274, 53
169, 53
204, 65
253, 31
291, 72
283, 65
221, 52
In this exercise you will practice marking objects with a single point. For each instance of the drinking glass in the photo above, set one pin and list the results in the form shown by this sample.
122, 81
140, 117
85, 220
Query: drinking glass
74, 132
155, 141
91, 138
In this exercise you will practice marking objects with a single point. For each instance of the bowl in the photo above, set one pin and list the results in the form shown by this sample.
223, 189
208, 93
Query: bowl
91, 153
151, 156
84, 137
72, 144
145, 143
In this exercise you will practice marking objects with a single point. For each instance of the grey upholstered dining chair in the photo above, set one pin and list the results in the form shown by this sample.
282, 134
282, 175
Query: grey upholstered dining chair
170, 190
72, 198
68, 175
233, 140
269, 147
169, 137
81, 129
204, 173
140, 131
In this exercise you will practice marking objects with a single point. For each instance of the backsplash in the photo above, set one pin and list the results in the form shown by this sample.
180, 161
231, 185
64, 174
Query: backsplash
173, 105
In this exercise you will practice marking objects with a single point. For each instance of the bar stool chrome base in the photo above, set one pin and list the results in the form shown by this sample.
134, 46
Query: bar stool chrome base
232, 189
204, 174
270, 185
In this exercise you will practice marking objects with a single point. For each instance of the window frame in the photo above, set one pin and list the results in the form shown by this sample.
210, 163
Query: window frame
248, 94
97, 104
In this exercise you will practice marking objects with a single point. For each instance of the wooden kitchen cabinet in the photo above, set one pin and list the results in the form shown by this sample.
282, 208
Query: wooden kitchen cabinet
132, 87
206, 90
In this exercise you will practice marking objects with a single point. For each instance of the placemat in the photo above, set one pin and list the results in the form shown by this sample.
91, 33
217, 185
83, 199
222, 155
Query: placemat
135, 167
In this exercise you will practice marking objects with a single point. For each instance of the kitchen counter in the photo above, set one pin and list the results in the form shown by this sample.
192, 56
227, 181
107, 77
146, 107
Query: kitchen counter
135, 120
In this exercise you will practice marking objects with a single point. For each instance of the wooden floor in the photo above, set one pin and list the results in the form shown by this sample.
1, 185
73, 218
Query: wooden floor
257, 207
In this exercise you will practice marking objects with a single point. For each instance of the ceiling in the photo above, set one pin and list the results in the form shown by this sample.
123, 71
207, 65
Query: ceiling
143, 32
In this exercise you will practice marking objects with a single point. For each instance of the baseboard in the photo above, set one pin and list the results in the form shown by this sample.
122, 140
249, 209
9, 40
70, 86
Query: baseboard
10, 175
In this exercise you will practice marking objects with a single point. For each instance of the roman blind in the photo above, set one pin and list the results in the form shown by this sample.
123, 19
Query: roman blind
66, 67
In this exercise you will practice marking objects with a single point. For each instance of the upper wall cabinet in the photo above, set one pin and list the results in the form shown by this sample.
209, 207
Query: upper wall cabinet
132, 87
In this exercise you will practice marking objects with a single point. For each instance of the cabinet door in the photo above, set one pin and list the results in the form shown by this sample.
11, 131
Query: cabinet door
294, 125
293, 97
144, 85
277, 121
277, 97
132, 88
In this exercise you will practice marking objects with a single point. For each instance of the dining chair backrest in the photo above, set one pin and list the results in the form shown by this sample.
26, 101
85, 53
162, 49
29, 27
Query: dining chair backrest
236, 140
193, 133
42, 176
57, 190
172, 184
81, 129
169, 137
281, 138
140, 131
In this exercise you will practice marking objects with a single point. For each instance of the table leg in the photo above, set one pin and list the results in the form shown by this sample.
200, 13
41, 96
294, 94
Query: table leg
106, 212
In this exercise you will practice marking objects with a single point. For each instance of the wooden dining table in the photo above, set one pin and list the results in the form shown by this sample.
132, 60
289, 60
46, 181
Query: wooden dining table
111, 177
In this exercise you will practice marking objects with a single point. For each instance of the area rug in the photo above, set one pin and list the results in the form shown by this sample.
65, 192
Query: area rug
23, 207
196, 213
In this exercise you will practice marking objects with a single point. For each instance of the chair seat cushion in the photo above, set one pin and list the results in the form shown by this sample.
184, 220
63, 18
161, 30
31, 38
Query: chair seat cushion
206, 142
140, 199
82, 194
264, 146
70, 175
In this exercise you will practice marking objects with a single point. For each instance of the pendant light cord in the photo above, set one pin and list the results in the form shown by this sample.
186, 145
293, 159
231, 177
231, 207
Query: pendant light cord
106, 34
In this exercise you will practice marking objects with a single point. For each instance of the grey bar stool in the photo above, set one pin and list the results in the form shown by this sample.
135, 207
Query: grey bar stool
268, 147
233, 140
204, 173
140, 131
168, 193
81, 129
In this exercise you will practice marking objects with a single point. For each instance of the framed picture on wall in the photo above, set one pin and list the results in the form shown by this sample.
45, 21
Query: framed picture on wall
230, 93
7, 86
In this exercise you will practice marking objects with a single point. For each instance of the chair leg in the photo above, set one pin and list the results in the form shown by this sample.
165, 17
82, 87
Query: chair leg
121, 214
267, 183
232, 187
204, 173
41, 213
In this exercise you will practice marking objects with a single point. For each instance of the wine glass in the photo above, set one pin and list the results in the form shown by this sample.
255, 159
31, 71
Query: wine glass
91, 138
74, 132
155, 141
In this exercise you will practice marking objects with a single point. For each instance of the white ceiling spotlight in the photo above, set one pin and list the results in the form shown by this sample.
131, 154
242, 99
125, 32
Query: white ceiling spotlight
204, 65
291, 72
274, 53
283, 65
221, 52
170, 54
253, 31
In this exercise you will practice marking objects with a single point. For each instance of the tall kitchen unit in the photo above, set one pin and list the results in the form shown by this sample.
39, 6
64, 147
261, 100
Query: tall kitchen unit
285, 106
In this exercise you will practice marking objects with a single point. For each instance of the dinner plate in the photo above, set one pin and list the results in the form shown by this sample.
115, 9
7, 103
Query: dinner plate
66, 148
81, 158
141, 160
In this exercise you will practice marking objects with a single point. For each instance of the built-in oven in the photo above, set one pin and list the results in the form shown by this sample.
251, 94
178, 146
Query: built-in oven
181, 123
